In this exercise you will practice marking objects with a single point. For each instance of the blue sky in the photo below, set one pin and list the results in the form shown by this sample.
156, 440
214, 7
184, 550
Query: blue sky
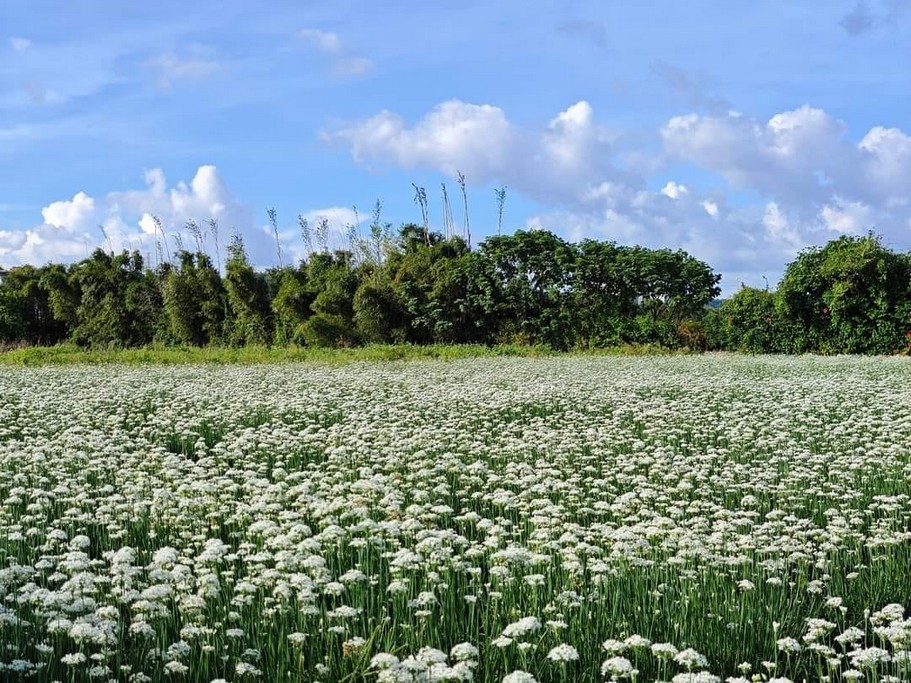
741, 132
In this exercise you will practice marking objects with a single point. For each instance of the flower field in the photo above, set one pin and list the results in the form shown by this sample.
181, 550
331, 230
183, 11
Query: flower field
496, 519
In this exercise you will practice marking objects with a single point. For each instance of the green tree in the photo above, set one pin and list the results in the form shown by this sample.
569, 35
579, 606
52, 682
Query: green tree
117, 302
851, 296
13, 326
291, 306
536, 270
671, 290
41, 326
333, 280
752, 321
603, 294
378, 315
195, 301
248, 297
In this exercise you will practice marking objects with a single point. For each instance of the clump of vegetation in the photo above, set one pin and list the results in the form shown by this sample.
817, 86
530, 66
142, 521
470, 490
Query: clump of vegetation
421, 287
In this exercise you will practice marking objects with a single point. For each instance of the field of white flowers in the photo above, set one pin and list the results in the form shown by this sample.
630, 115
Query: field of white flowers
561, 519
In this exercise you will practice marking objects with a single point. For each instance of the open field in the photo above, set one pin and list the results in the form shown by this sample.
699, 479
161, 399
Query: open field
69, 354
685, 518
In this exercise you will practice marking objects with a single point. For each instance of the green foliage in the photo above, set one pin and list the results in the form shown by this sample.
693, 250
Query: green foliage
378, 315
535, 269
753, 323
851, 296
531, 288
195, 301
41, 326
117, 304
291, 306
12, 315
248, 296
328, 330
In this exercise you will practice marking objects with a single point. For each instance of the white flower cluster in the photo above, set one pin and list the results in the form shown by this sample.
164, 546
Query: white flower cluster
530, 516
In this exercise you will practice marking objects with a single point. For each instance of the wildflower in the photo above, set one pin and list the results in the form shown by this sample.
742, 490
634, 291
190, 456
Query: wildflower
788, 645
697, 677
614, 647
522, 627
463, 652
690, 659
519, 677
637, 641
563, 653
73, 659
618, 667
383, 660
663, 650
244, 669
850, 635
869, 658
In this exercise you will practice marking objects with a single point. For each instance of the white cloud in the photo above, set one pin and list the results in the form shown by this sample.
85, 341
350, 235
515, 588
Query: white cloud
70, 228
74, 214
477, 139
20, 44
569, 156
126, 219
847, 218
711, 208
172, 69
674, 190
342, 61
801, 156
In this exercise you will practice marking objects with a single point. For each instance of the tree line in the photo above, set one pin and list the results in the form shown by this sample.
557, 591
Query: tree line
422, 287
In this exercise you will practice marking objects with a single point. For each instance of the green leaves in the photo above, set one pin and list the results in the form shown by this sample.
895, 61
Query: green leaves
850, 296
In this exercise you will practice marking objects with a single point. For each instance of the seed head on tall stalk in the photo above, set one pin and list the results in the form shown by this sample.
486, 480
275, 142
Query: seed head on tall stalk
306, 234
322, 233
161, 238
193, 228
107, 239
467, 229
273, 221
420, 198
448, 226
376, 232
501, 200
213, 230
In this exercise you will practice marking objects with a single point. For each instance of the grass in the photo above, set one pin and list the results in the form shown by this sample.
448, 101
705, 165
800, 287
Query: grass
69, 354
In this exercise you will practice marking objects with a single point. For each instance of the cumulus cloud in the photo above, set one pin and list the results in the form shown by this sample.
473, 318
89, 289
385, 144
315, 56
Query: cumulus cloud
74, 214
455, 135
766, 190
158, 214
674, 190
123, 219
342, 61
783, 155
802, 157
554, 163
